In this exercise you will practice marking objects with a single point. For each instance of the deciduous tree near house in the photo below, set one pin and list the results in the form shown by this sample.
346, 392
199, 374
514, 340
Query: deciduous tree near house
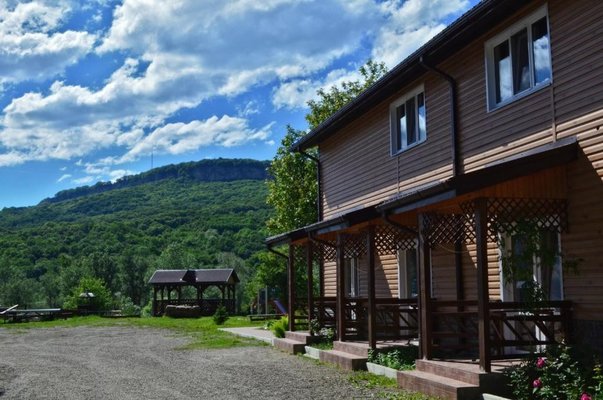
293, 191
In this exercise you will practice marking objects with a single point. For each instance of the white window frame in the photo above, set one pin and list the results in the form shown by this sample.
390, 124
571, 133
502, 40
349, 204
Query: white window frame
402, 274
541, 12
506, 288
394, 134
352, 278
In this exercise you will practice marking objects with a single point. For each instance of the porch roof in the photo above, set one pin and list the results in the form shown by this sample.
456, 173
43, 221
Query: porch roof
469, 26
194, 276
526, 163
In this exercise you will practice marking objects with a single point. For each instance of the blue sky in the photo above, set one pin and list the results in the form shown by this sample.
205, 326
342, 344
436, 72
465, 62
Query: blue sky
90, 90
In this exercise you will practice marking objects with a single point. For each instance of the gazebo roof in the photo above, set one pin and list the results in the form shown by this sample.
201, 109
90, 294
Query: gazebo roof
194, 276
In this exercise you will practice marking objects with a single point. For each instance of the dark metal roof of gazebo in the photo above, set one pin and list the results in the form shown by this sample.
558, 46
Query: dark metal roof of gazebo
193, 276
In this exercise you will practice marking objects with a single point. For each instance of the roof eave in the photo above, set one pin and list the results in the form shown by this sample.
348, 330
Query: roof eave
469, 26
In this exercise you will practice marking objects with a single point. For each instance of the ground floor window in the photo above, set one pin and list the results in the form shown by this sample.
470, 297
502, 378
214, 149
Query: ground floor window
531, 266
352, 281
407, 274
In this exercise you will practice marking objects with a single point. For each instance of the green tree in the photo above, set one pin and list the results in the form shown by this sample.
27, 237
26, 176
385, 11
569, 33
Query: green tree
331, 100
294, 191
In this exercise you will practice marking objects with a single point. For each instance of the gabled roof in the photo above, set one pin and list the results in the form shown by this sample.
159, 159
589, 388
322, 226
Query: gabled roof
457, 35
193, 276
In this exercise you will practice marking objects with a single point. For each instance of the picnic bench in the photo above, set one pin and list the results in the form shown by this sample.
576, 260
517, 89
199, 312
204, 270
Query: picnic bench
13, 314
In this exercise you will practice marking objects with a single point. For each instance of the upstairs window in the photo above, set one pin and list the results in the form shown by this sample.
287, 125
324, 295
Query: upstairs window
407, 119
518, 61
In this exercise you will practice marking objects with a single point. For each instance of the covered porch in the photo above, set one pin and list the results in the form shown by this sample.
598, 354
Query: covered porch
455, 230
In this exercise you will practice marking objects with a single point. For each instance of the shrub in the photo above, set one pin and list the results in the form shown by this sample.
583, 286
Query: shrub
280, 327
400, 358
101, 300
221, 315
562, 374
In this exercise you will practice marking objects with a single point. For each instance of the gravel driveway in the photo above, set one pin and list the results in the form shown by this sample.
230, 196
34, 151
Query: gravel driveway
133, 363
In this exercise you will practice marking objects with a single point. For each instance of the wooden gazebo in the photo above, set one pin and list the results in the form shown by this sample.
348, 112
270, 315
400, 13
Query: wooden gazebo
168, 285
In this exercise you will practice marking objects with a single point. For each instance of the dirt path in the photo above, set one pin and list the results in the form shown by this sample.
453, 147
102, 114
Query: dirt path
132, 363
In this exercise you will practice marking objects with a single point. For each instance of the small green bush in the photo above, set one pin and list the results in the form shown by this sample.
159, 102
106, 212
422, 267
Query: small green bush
221, 315
400, 358
280, 327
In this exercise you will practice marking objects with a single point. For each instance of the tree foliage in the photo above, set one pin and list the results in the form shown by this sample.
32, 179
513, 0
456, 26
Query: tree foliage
331, 100
293, 191
123, 235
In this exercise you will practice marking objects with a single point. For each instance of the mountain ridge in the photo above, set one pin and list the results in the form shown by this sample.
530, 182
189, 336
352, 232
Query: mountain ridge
209, 170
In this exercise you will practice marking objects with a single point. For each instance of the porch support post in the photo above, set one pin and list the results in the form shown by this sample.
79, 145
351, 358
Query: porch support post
154, 300
372, 310
483, 298
424, 263
309, 265
340, 287
291, 284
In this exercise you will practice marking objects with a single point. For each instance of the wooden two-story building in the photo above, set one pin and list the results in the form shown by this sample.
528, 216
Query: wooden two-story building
435, 175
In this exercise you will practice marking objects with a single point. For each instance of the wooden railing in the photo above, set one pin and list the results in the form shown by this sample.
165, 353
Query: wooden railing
356, 315
397, 319
454, 328
208, 306
514, 328
325, 311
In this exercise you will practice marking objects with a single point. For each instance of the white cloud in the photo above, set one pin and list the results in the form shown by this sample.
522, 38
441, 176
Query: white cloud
296, 93
238, 44
179, 54
178, 138
31, 47
63, 177
84, 180
410, 24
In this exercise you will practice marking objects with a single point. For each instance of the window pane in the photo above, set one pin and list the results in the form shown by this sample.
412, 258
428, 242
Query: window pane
550, 266
542, 51
502, 72
411, 273
401, 128
421, 115
411, 128
521, 61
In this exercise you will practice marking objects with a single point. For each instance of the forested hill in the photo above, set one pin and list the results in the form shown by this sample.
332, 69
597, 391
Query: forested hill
122, 235
215, 170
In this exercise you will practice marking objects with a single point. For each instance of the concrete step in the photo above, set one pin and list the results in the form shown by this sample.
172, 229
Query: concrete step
358, 349
301, 336
494, 382
450, 370
290, 346
438, 386
347, 361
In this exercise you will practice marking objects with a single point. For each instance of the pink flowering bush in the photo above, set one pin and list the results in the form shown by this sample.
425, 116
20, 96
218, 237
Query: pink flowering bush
562, 375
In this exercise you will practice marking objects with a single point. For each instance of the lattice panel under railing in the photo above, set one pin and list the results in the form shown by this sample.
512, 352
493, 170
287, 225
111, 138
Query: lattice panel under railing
388, 240
506, 215
449, 228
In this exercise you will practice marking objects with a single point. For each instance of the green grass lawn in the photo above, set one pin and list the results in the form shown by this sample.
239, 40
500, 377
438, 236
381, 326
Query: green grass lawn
204, 333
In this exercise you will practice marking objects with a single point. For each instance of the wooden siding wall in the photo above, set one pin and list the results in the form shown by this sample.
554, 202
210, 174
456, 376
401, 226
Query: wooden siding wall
358, 169
386, 277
